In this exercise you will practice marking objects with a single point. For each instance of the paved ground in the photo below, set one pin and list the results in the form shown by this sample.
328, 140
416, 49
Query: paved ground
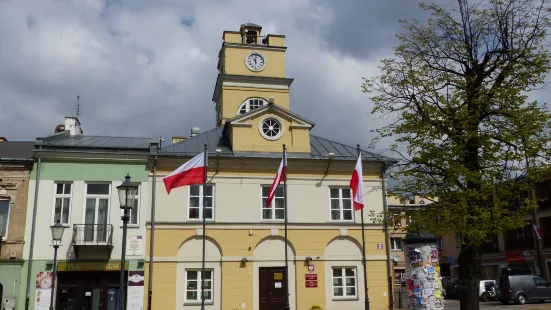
454, 305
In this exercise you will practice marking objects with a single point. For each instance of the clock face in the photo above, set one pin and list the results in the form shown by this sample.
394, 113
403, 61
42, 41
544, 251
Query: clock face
46, 282
255, 61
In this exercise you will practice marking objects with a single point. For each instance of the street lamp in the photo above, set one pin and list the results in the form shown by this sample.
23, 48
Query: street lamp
57, 235
127, 196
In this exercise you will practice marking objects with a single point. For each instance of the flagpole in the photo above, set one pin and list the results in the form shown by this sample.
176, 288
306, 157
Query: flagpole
287, 304
363, 247
205, 164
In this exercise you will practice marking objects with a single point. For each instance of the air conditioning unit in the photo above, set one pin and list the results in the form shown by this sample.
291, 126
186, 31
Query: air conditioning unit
8, 303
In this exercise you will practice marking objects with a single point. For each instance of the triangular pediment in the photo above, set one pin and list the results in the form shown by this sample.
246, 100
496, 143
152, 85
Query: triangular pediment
245, 120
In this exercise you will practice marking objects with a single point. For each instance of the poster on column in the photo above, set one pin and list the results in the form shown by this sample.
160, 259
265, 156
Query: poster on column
44, 282
135, 292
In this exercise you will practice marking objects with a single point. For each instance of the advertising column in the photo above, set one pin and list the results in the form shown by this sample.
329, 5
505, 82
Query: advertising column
423, 272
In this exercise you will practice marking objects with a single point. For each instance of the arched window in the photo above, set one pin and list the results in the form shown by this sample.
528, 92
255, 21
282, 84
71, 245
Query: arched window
251, 104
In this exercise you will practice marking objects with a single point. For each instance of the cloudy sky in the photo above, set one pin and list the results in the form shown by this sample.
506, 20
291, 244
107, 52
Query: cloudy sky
148, 68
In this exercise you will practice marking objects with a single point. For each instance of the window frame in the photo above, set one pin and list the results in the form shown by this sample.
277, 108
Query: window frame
96, 196
341, 209
272, 207
62, 196
392, 244
344, 286
199, 283
200, 218
248, 107
4, 238
137, 211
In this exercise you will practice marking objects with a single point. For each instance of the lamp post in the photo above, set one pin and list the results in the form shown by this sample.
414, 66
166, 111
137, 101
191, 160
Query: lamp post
127, 196
57, 235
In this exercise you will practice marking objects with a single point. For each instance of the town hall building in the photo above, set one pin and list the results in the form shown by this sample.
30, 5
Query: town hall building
244, 237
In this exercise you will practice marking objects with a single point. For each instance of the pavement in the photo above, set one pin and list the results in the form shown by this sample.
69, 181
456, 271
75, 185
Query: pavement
452, 304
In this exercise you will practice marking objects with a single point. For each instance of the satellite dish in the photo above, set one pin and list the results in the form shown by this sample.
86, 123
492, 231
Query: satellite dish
396, 258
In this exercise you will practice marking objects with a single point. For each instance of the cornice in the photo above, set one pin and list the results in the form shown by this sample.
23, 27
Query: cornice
248, 79
254, 46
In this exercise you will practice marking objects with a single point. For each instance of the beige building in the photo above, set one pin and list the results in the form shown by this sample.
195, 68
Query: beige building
15, 166
245, 245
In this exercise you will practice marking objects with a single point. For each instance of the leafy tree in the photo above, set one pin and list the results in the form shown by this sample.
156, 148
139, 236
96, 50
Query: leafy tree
457, 92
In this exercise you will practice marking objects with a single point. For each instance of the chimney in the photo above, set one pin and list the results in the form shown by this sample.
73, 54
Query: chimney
3, 139
195, 131
177, 139
72, 124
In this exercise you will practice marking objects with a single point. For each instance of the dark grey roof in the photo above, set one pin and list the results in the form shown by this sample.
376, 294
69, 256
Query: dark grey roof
215, 139
21, 150
64, 140
250, 25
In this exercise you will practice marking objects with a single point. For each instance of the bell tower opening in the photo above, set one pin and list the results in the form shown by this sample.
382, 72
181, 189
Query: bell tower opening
250, 34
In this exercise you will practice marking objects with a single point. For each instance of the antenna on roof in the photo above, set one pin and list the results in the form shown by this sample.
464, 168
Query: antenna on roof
78, 105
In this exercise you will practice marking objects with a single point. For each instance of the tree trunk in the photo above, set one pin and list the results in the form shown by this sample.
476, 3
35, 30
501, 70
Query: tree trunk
469, 277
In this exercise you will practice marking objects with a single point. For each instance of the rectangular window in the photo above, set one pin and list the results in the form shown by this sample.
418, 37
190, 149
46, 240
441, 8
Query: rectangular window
520, 233
4, 218
396, 243
276, 211
96, 212
399, 276
195, 211
62, 203
194, 278
344, 283
341, 204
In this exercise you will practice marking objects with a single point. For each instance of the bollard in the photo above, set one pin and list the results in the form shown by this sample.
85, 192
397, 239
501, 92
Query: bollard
423, 280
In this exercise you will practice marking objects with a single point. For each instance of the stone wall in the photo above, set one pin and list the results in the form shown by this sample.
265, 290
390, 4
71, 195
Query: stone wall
14, 185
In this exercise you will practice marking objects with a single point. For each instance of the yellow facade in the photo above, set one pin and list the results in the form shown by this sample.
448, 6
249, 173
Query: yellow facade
240, 242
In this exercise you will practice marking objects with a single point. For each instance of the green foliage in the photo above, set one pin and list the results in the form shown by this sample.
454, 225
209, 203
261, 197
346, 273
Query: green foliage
458, 92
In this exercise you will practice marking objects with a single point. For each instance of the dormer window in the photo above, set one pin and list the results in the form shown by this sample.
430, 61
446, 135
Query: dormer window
251, 104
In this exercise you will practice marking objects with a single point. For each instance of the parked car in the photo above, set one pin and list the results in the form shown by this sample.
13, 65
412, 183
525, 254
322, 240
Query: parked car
450, 286
487, 290
521, 288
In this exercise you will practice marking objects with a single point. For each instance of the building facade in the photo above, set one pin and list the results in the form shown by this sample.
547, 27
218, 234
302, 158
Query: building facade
15, 167
244, 237
74, 182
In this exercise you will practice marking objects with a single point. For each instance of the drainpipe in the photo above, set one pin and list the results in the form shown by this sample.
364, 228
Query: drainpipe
390, 277
151, 235
30, 267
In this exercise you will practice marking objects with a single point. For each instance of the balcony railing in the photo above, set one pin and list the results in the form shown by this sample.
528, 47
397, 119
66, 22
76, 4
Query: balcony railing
254, 39
92, 234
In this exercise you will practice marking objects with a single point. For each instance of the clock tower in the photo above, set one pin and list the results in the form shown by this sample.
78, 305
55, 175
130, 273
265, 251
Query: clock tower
251, 72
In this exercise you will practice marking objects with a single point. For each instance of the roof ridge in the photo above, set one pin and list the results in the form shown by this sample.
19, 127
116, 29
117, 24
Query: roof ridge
362, 150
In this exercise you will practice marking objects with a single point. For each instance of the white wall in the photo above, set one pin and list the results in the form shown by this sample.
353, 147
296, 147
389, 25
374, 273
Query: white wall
44, 219
239, 200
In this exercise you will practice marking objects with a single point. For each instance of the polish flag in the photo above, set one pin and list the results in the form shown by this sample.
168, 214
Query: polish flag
190, 173
278, 179
539, 233
357, 185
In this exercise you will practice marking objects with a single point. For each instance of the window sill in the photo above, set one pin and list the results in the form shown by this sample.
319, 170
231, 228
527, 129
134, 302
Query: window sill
200, 220
198, 303
131, 226
342, 221
346, 299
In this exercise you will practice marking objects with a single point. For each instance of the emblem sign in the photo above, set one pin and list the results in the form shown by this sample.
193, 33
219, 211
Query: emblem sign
311, 268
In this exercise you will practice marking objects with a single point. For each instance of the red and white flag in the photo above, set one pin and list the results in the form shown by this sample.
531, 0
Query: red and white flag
278, 179
357, 185
190, 173
539, 233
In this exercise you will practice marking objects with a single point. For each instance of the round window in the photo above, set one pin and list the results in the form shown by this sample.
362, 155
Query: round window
271, 128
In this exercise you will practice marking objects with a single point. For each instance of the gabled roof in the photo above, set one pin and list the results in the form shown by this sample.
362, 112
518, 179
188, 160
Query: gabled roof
270, 107
65, 141
16, 150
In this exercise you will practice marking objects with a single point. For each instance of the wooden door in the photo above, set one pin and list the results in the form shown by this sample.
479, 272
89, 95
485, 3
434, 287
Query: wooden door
272, 285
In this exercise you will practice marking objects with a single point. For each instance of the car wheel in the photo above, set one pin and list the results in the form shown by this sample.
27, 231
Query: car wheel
485, 297
521, 299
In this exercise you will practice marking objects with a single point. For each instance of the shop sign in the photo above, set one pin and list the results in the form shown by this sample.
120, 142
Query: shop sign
90, 266
311, 280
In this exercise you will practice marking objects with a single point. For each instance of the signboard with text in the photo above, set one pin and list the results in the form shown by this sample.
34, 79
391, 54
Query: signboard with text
311, 280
